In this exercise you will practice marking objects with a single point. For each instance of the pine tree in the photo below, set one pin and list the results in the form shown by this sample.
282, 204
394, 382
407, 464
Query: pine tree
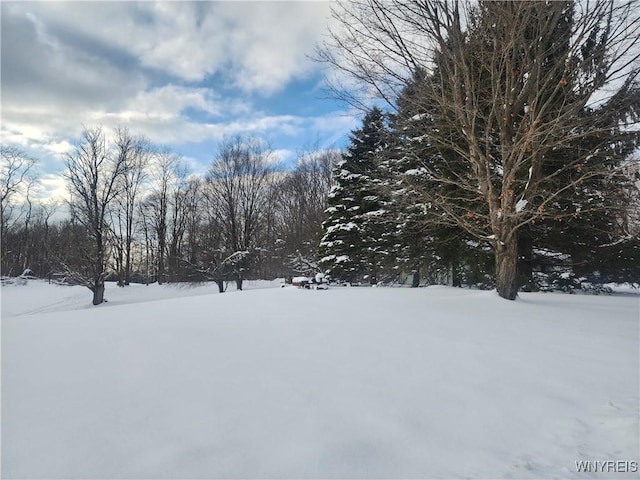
595, 229
354, 244
425, 246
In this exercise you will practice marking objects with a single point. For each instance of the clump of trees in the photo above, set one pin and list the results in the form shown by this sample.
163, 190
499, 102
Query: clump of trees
18, 178
515, 123
137, 214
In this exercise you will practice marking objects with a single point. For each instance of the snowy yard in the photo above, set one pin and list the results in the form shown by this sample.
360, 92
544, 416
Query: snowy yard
164, 382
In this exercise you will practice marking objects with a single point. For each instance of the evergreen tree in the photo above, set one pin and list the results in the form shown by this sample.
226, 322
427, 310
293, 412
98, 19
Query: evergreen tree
426, 245
355, 241
594, 228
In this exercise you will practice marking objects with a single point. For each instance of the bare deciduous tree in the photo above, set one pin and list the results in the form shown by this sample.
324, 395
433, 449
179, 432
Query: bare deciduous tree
136, 153
18, 176
301, 199
238, 183
93, 175
167, 168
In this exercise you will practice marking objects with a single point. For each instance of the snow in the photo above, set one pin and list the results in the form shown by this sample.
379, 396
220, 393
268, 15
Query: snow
342, 226
166, 382
416, 171
520, 205
376, 213
332, 243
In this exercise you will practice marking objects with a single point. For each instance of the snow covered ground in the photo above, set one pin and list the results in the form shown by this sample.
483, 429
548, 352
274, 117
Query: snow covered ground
166, 382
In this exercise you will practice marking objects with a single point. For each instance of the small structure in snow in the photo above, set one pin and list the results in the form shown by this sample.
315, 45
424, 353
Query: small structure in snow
317, 282
301, 282
320, 282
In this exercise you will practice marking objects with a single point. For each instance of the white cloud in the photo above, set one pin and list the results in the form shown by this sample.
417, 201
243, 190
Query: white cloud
283, 156
177, 72
257, 45
271, 45
60, 148
53, 187
170, 102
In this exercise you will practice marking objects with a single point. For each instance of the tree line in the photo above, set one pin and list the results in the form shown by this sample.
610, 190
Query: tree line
504, 144
136, 214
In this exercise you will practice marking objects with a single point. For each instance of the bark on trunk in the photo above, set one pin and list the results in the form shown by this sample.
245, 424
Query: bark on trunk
160, 274
220, 284
239, 283
127, 266
525, 255
507, 268
98, 293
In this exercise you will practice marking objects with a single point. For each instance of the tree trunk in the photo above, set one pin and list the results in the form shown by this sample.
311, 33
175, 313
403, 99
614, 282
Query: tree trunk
98, 293
161, 248
220, 285
506, 268
239, 283
525, 254
455, 270
119, 258
127, 266
415, 282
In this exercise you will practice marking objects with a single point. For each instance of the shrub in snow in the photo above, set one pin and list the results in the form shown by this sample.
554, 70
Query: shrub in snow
28, 274
596, 288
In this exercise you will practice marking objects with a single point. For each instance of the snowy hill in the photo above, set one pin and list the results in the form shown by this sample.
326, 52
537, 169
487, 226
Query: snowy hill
163, 382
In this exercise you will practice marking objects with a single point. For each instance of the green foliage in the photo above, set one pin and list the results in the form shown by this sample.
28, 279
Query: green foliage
355, 240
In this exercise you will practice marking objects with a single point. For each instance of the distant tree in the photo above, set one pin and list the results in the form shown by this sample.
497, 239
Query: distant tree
193, 204
301, 265
146, 225
38, 252
136, 153
238, 185
93, 176
209, 263
300, 201
18, 177
167, 173
178, 208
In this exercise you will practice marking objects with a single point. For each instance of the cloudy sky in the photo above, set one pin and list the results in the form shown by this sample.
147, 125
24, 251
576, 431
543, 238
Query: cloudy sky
185, 74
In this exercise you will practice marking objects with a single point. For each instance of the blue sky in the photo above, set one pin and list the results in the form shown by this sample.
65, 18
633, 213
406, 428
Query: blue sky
184, 74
